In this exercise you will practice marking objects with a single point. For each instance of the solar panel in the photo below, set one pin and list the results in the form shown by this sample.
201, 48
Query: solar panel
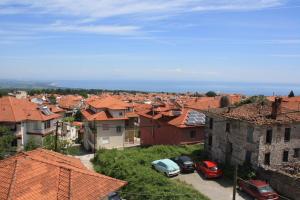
45, 110
195, 118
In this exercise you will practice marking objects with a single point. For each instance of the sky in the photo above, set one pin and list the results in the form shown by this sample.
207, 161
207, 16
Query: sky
195, 40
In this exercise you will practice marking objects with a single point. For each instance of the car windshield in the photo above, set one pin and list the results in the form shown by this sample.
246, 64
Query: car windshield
265, 189
215, 168
185, 159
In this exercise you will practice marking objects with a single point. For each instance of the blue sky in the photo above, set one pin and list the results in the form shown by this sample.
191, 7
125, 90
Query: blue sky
222, 40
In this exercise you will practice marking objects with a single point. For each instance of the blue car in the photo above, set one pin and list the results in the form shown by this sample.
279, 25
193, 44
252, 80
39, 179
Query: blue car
166, 166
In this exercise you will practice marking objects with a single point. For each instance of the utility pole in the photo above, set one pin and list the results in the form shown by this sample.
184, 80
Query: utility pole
95, 132
235, 181
56, 136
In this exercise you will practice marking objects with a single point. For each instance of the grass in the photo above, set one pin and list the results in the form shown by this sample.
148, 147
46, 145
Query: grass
134, 166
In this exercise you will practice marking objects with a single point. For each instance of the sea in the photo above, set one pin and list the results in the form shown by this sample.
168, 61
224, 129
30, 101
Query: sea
245, 88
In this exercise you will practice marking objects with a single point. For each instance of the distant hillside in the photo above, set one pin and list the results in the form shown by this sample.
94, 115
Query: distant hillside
25, 84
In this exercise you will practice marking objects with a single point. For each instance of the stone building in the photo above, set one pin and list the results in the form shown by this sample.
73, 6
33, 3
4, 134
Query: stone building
261, 134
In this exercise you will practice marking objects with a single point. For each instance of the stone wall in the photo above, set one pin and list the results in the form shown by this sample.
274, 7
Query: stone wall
285, 184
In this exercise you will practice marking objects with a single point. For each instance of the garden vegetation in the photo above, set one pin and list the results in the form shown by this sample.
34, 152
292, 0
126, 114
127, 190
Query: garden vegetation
134, 166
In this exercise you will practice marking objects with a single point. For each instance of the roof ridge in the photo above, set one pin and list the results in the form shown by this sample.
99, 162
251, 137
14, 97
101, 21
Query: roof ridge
11, 107
12, 181
79, 170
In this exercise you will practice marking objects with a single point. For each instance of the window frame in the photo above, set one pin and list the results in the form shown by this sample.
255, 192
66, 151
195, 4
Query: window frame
287, 134
119, 129
269, 134
285, 156
267, 161
192, 134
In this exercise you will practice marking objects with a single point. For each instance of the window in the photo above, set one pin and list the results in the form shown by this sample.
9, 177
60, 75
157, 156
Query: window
230, 148
269, 136
267, 158
227, 129
105, 127
211, 123
209, 140
14, 143
120, 114
192, 134
287, 134
297, 153
119, 129
47, 124
248, 156
250, 131
285, 156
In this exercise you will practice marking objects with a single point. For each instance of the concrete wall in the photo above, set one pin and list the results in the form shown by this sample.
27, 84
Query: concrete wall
237, 137
240, 144
278, 144
110, 138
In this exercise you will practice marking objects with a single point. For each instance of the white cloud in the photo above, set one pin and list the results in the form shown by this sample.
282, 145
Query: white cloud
87, 16
111, 8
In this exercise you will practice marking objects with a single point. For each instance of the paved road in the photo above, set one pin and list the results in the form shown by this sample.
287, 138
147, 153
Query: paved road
85, 159
220, 189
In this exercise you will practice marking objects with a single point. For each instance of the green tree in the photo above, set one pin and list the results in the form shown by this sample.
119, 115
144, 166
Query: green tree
62, 144
224, 102
83, 94
52, 99
253, 99
31, 144
291, 94
211, 94
6, 141
68, 119
78, 116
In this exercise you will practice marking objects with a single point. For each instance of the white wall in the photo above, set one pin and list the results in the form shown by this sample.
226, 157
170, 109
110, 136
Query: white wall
110, 138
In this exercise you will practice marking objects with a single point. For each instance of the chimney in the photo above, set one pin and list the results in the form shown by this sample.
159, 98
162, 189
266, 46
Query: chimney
276, 107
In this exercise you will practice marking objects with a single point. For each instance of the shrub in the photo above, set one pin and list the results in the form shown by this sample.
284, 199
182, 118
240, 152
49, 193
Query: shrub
211, 94
134, 166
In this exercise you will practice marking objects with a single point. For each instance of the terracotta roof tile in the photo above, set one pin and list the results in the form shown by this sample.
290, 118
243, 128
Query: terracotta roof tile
108, 102
42, 174
16, 110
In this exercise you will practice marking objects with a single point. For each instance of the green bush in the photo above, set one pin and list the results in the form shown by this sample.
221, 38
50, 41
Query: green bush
134, 166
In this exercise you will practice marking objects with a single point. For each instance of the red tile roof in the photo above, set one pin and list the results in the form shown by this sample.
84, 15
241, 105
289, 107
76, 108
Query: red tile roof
260, 114
100, 116
43, 174
108, 102
70, 101
16, 110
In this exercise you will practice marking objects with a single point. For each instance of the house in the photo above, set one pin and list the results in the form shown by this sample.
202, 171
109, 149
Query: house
70, 103
105, 122
42, 174
19, 94
261, 134
27, 120
170, 126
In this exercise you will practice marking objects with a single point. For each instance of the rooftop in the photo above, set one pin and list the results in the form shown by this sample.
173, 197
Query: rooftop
16, 110
43, 174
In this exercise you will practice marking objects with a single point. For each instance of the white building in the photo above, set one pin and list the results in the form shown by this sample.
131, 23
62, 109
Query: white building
27, 120
104, 120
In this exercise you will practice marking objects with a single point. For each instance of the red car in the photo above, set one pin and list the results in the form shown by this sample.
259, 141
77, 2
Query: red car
258, 189
209, 169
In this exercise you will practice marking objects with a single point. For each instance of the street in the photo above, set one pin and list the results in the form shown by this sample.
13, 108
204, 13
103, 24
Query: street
215, 189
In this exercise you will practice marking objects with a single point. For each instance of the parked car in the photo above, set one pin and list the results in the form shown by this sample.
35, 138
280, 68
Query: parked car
209, 169
166, 166
258, 189
114, 196
185, 163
